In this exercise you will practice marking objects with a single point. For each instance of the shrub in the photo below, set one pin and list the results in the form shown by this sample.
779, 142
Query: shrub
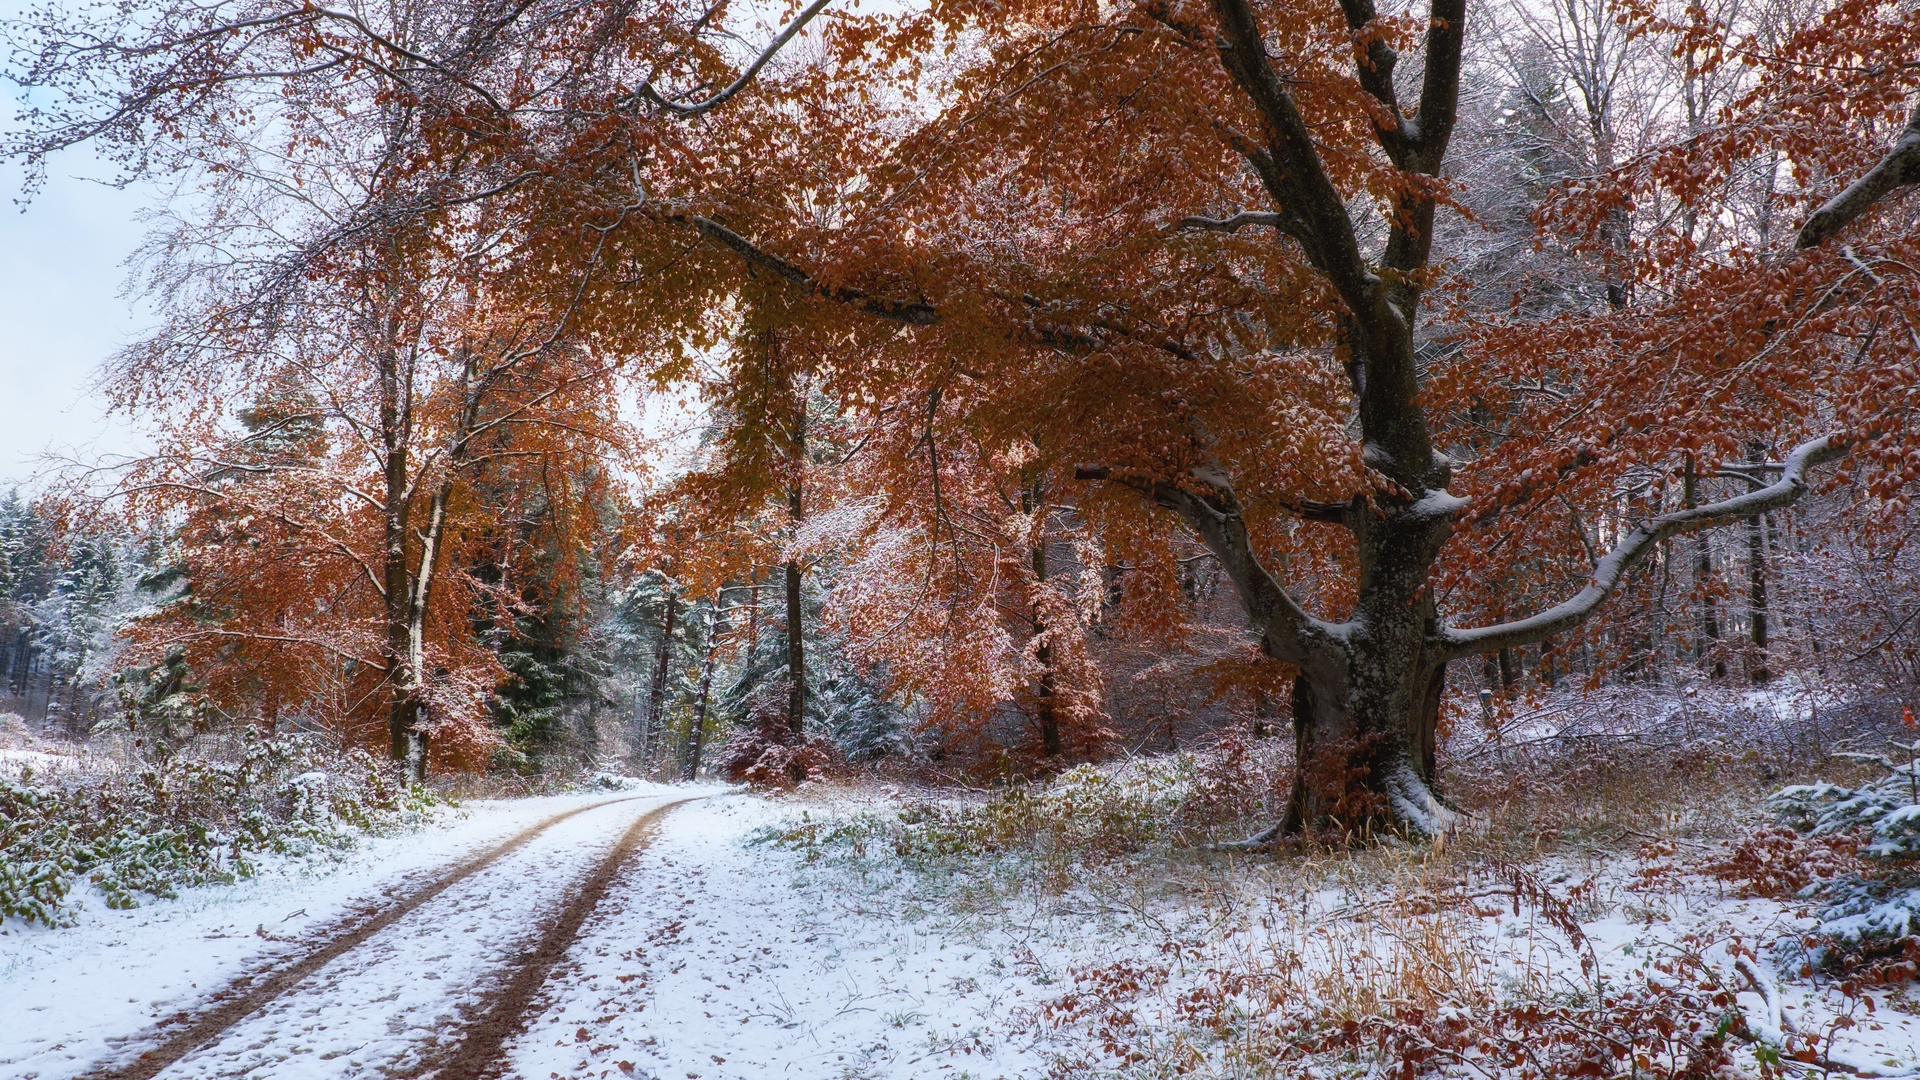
765, 755
175, 822
1870, 918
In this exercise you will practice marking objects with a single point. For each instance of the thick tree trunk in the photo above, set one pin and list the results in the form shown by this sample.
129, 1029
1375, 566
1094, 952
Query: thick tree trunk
1366, 705
697, 734
1363, 772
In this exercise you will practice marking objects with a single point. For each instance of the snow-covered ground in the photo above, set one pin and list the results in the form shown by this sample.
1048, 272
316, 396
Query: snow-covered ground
71, 996
716, 957
728, 961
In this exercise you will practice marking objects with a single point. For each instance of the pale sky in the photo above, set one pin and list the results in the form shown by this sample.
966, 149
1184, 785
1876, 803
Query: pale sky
61, 312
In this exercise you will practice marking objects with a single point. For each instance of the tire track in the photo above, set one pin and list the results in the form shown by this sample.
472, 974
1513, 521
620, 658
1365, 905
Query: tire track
247, 993
506, 1011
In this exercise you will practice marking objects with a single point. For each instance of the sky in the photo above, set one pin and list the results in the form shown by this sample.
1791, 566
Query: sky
62, 312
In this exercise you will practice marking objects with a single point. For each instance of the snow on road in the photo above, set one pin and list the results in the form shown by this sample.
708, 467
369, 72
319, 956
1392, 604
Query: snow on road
706, 960
718, 966
711, 957
69, 998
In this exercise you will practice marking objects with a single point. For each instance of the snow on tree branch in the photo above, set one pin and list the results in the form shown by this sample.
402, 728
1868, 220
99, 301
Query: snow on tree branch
696, 108
1612, 568
1208, 505
1899, 168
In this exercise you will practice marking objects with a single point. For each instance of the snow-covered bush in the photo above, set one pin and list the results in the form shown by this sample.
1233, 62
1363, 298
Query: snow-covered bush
763, 752
1873, 915
1086, 814
174, 822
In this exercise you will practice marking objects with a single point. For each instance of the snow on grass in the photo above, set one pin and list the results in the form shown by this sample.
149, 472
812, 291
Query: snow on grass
68, 993
730, 957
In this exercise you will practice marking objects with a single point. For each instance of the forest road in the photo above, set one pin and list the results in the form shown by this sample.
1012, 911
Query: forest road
431, 983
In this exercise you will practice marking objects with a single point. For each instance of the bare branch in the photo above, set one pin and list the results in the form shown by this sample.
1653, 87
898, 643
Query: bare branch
1235, 223
1612, 569
647, 92
1209, 506
914, 313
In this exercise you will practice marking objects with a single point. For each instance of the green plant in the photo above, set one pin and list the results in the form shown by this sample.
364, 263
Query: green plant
174, 822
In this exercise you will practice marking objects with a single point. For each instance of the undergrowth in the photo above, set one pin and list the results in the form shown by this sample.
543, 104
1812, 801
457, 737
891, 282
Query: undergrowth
172, 821
1467, 958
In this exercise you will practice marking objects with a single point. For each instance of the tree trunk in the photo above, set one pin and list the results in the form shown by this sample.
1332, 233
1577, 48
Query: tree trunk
1045, 714
403, 682
1757, 594
1703, 577
1757, 581
796, 635
697, 734
657, 691
1362, 771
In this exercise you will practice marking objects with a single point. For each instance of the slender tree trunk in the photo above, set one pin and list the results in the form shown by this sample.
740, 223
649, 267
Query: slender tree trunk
697, 734
796, 615
1262, 709
1703, 575
1757, 580
403, 680
657, 692
1757, 594
796, 654
1045, 711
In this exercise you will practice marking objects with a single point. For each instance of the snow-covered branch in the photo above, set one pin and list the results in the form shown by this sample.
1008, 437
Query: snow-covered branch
695, 108
1899, 168
1613, 567
1237, 222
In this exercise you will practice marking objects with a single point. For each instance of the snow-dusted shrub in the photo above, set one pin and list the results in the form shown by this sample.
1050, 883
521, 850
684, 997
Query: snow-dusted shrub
765, 754
1087, 813
608, 780
1870, 917
175, 822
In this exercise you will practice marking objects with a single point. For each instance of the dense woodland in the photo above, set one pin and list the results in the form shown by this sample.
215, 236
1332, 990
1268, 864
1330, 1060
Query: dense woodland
1296, 537
971, 390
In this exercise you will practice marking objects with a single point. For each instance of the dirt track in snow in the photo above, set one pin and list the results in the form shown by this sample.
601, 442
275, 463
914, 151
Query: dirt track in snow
264, 1012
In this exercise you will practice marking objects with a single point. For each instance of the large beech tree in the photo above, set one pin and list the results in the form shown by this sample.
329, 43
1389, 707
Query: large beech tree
1185, 250
1184, 262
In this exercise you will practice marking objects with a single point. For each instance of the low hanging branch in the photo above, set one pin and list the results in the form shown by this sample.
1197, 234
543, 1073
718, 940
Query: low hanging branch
1613, 567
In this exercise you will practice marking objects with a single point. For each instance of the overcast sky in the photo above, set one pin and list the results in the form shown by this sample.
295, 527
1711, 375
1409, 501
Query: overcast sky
61, 309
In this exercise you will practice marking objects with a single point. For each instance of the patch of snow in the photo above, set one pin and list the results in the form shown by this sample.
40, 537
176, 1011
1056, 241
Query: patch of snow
717, 964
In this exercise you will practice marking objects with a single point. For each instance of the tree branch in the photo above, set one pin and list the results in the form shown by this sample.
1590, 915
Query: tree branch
1209, 506
1297, 179
1374, 62
648, 93
1237, 222
1612, 569
1899, 168
913, 313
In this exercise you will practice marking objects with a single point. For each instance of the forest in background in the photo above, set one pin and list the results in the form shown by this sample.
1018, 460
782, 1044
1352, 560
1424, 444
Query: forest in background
983, 460
1367, 538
